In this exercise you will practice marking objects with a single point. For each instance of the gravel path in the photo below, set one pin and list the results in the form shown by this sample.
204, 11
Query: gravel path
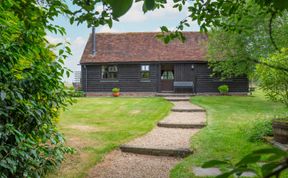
118, 164
165, 138
185, 118
127, 165
185, 105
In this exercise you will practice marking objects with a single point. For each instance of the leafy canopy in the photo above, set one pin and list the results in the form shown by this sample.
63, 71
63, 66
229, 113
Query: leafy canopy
31, 91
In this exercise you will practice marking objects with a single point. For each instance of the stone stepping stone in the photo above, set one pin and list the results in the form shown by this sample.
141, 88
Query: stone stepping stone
186, 106
177, 98
184, 120
162, 142
205, 172
127, 165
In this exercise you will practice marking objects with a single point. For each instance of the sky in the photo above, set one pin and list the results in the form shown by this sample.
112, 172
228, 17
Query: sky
133, 21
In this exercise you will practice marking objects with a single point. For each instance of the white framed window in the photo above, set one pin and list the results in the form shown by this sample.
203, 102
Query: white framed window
145, 72
109, 72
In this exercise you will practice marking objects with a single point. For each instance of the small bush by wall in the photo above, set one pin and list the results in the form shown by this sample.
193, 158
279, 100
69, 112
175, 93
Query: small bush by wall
223, 89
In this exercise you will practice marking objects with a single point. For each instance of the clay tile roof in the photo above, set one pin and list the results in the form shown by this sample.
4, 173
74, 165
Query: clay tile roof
144, 47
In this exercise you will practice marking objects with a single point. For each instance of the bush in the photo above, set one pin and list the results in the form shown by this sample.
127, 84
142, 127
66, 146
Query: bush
74, 93
116, 90
274, 80
32, 93
260, 129
223, 89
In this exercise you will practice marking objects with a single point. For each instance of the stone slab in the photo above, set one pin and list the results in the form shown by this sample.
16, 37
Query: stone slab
203, 172
213, 172
175, 94
281, 146
156, 151
177, 98
183, 126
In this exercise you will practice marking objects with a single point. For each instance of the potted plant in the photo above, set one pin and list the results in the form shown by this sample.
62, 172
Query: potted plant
280, 130
116, 92
223, 89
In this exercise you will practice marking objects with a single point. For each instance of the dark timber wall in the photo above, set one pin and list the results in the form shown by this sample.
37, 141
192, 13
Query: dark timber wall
205, 83
129, 78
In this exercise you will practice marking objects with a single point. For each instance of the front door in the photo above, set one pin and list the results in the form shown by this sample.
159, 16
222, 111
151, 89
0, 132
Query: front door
167, 78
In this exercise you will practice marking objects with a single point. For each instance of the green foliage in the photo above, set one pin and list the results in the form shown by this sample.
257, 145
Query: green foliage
223, 89
116, 90
32, 93
119, 7
236, 54
284, 120
261, 128
273, 162
274, 81
74, 93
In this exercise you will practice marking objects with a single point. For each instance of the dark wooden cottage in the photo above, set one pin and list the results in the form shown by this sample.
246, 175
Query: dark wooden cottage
138, 62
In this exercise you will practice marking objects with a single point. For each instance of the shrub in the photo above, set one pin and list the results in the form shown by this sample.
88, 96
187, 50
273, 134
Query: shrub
74, 93
116, 90
274, 80
260, 129
223, 89
31, 91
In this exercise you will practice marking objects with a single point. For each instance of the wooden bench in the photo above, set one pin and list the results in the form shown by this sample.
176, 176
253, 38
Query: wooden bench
183, 85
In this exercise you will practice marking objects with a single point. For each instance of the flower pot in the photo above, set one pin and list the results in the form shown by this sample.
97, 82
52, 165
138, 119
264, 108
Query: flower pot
280, 131
116, 94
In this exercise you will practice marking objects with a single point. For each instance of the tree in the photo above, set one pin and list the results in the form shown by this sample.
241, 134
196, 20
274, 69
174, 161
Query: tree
232, 53
31, 91
274, 82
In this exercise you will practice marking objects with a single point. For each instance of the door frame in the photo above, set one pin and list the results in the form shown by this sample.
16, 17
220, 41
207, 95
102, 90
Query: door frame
169, 67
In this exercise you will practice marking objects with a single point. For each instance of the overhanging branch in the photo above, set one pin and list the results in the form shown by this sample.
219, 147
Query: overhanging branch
270, 31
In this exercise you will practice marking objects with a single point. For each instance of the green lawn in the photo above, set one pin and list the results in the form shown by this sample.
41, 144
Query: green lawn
95, 126
230, 119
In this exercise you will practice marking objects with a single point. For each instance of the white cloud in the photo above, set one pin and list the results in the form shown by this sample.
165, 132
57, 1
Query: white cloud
79, 42
135, 14
106, 29
55, 40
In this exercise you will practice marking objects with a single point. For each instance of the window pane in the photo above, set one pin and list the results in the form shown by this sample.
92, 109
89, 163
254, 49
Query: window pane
145, 75
147, 67
167, 75
144, 67
109, 72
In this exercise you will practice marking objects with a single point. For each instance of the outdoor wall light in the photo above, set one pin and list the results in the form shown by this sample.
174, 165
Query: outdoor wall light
192, 67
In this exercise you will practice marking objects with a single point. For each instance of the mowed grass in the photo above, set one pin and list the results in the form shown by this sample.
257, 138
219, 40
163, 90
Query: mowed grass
230, 120
95, 126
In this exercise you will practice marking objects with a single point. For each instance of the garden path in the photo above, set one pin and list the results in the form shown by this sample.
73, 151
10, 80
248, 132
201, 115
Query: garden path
154, 154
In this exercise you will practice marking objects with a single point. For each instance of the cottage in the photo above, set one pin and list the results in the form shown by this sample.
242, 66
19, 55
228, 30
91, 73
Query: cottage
139, 62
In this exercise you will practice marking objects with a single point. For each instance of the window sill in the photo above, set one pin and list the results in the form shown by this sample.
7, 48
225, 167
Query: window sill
109, 80
145, 80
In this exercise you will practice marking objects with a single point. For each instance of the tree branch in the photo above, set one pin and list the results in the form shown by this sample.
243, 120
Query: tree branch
269, 65
270, 31
279, 169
